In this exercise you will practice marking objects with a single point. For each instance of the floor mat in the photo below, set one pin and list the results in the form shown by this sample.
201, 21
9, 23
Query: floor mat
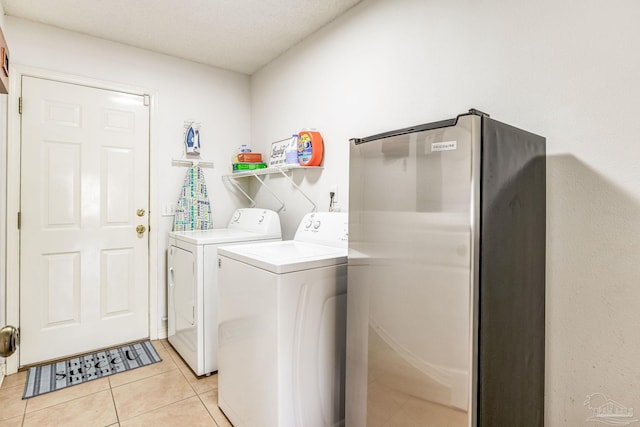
80, 369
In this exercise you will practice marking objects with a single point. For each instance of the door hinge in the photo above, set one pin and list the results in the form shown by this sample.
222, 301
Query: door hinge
19, 220
147, 100
20, 105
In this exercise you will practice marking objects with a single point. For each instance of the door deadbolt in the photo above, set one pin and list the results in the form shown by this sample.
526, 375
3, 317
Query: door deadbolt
141, 229
140, 212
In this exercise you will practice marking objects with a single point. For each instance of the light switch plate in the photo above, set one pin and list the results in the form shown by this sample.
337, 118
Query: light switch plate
168, 209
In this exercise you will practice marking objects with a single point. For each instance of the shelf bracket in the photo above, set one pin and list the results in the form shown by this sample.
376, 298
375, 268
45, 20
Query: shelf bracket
282, 206
233, 177
315, 207
239, 188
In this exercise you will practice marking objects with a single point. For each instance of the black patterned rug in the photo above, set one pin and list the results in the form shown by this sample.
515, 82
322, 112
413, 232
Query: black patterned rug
80, 369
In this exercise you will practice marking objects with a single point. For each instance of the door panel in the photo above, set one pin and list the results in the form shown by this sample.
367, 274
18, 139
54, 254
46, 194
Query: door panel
84, 173
116, 282
410, 278
183, 287
62, 288
181, 298
62, 193
117, 168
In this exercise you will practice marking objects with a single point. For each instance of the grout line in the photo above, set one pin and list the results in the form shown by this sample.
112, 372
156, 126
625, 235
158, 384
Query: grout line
208, 411
156, 409
187, 379
9, 387
144, 378
113, 399
186, 375
163, 406
24, 412
59, 403
55, 407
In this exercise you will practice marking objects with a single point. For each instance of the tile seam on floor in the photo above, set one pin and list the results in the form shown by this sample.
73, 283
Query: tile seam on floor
113, 399
388, 420
6, 388
141, 379
59, 403
111, 387
11, 387
187, 380
155, 409
45, 408
208, 411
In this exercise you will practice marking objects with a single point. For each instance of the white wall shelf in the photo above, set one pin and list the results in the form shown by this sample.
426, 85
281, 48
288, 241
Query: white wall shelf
191, 162
281, 170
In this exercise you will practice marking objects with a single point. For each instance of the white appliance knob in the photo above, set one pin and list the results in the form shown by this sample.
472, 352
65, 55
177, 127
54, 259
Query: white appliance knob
308, 224
316, 225
261, 219
236, 216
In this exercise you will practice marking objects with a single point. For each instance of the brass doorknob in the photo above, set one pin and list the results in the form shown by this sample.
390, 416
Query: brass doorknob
140, 212
140, 230
9, 339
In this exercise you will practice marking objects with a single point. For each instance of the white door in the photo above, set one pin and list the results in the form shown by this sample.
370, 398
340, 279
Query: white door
84, 190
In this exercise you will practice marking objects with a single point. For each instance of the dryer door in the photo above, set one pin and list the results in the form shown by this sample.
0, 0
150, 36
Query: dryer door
182, 292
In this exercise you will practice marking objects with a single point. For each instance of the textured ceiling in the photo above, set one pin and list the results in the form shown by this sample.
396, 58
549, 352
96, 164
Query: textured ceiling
238, 35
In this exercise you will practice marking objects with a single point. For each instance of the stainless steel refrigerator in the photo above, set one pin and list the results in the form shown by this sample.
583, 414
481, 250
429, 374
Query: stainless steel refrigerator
446, 276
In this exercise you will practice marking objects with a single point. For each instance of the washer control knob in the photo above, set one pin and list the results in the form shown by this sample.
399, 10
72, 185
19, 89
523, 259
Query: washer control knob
308, 224
316, 225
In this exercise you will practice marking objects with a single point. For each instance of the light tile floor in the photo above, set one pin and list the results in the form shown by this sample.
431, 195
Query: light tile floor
162, 394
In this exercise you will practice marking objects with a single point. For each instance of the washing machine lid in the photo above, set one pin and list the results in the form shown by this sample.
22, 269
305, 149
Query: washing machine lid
220, 235
285, 256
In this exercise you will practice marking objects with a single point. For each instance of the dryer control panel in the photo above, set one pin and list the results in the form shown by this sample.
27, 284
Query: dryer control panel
324, 228
263, 221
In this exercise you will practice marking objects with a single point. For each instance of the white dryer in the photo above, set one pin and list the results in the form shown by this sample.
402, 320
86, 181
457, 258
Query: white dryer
192, 279
282, 322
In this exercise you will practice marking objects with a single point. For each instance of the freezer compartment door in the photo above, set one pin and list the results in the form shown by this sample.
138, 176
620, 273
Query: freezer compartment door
410, 291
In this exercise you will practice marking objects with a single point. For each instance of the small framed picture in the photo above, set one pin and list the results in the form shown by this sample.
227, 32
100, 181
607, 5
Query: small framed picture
278, 155
192, 137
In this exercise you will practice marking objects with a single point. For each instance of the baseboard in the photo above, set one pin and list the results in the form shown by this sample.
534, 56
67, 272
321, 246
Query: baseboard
3, 372
163, 334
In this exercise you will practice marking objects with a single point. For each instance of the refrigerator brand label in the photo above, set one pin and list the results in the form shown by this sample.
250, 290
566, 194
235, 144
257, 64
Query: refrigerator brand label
443, 146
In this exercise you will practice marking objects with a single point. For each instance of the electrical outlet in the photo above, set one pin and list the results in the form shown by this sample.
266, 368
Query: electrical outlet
334, 189
333, 199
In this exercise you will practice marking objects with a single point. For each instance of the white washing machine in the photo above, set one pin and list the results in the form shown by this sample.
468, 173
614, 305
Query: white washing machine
192, 279
282, 323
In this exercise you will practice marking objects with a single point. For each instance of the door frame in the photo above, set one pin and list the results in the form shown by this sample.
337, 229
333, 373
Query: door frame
13, 190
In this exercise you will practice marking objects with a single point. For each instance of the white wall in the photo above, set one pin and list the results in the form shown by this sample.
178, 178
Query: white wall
3, 199
185, 90
565, 70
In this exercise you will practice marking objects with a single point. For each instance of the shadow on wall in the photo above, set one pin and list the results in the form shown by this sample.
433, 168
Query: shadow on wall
593, 291
280, 195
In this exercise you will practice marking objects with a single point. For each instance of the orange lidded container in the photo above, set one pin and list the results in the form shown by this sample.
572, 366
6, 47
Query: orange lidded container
310, 148
250, 157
